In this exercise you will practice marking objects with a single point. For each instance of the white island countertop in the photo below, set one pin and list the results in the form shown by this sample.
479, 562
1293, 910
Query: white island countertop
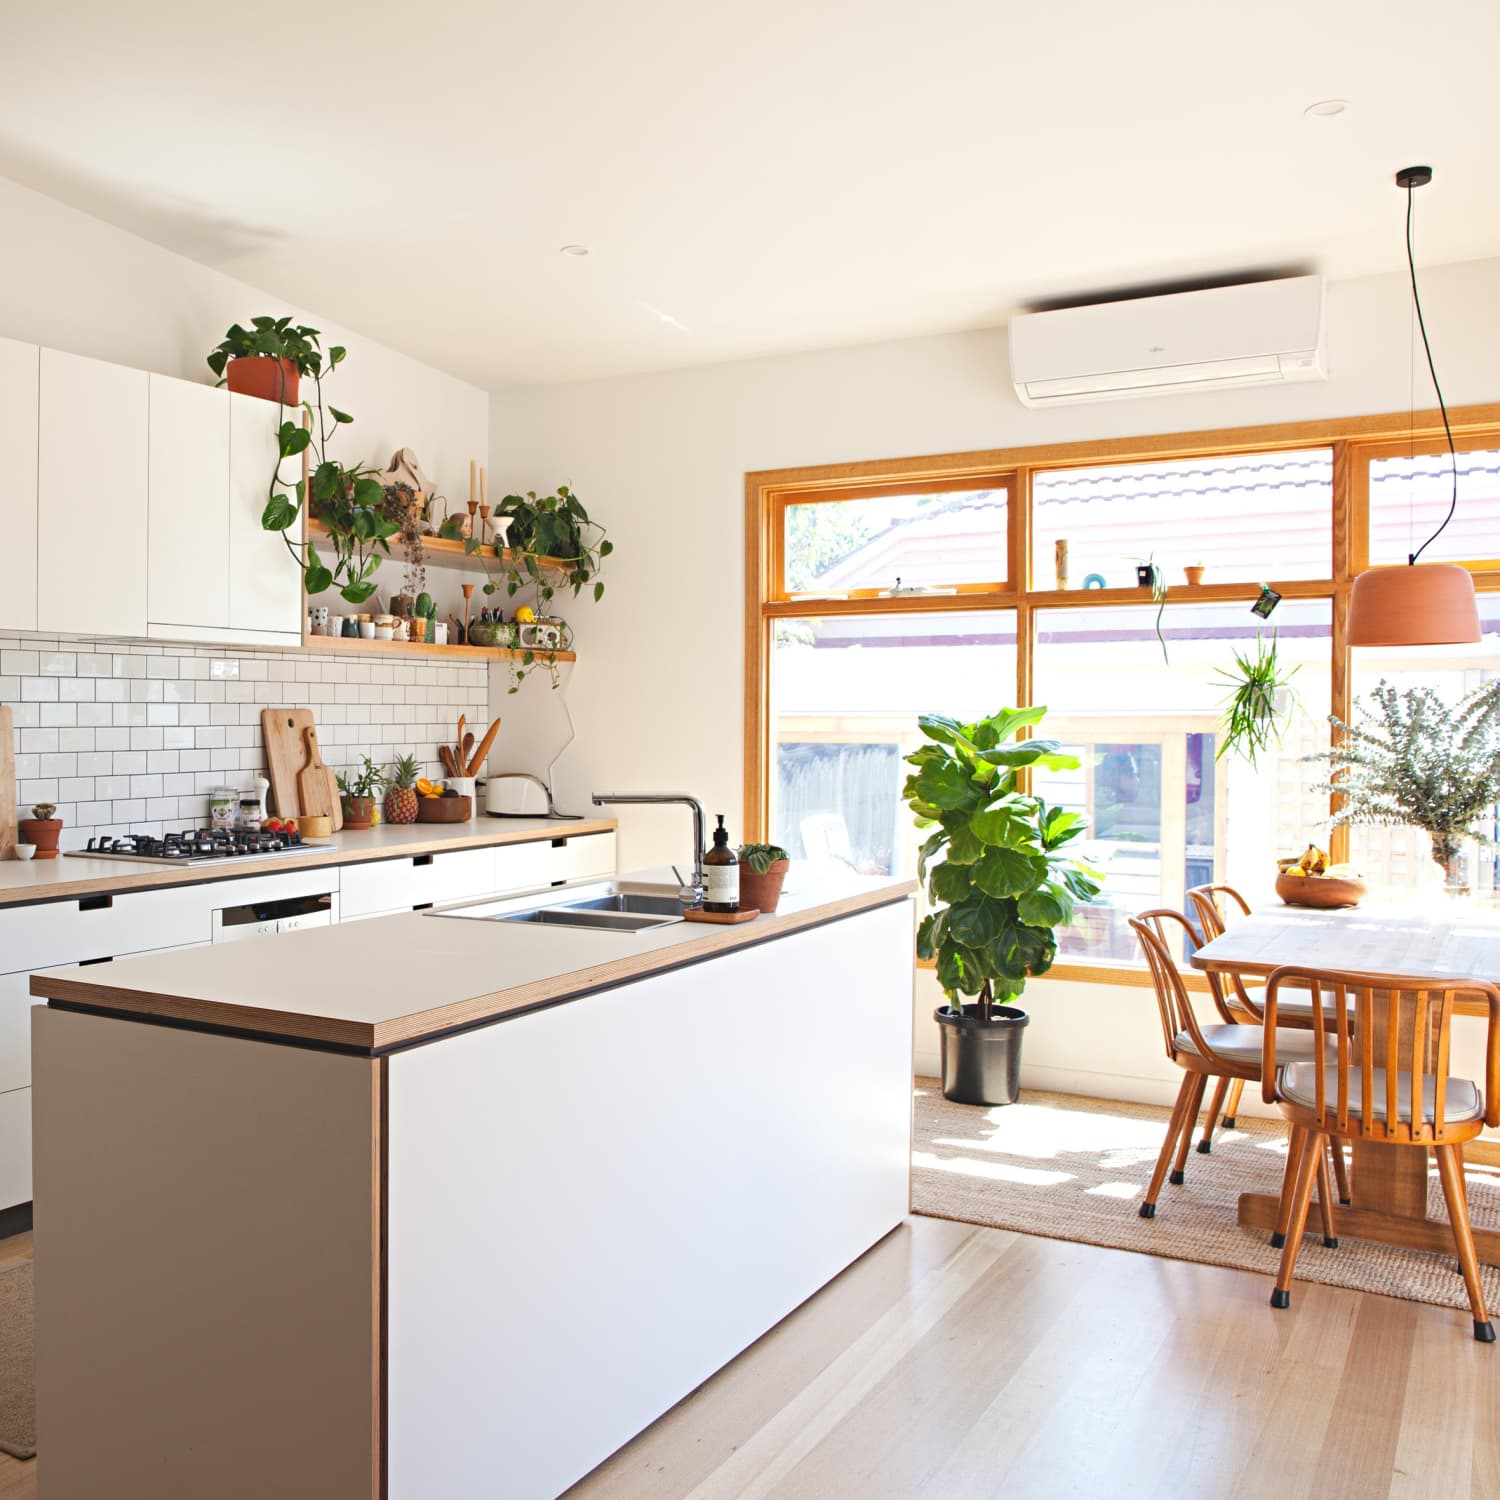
373, 986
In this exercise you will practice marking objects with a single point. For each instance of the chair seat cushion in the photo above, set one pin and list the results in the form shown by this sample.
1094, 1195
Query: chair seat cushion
1242, 1044
1461, 1103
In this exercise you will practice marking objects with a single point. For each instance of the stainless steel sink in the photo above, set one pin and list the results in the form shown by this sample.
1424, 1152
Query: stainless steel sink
605, 906
601, 921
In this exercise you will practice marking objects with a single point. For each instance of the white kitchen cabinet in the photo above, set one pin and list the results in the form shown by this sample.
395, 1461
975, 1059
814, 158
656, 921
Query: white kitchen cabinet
188, 500
20, 375
392, 885
92, 460
265, 583
103, 926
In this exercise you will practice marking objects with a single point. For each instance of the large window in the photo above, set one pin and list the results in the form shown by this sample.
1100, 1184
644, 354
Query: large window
841, 660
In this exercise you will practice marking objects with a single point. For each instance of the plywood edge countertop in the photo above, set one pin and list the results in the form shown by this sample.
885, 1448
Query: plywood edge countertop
68, 877
376, 986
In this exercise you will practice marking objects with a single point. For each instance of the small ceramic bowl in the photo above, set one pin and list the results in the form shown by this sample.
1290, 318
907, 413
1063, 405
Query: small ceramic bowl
25, 851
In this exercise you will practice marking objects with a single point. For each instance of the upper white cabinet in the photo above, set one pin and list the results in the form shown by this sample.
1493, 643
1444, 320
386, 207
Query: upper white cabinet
188, 496
265, 583
20, 373
92, 436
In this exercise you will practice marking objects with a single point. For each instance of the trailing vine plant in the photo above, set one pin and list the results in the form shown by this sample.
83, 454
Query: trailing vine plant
347, 501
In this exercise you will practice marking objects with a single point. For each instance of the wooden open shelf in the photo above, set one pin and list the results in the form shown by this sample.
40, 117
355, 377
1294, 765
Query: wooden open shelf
416, 652
444, 553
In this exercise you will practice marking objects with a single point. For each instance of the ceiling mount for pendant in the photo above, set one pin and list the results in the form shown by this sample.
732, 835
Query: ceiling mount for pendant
1413, 177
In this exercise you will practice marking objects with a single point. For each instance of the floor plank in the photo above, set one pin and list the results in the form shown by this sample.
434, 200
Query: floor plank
957, 1363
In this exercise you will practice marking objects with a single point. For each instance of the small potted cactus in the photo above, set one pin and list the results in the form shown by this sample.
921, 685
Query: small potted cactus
43, 830
401, 798
424, 613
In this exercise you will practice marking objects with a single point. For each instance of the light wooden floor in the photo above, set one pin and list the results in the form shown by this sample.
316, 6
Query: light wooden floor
954, 1363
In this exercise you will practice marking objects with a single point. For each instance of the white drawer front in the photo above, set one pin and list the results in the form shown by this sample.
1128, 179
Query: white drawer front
461, 874
389, 885
63, 932
15, 1031
15, 1147
587, 857
523, 867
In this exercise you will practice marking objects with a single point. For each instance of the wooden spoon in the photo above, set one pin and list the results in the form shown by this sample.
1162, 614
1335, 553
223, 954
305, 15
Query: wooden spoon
464, 749
484, 748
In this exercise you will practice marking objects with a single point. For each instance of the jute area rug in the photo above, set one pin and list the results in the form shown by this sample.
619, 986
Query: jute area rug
1072, 1168
17, 1395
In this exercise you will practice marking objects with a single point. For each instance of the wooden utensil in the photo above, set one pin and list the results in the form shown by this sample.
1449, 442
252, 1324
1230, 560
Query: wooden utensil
312, 781
284, 731
464, 749
445, 754
7, 784
483, 750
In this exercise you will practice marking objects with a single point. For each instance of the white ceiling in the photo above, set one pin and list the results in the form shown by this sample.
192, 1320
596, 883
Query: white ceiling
768, 176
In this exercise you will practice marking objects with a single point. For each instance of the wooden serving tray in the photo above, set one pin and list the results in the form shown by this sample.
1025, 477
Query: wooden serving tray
724, 918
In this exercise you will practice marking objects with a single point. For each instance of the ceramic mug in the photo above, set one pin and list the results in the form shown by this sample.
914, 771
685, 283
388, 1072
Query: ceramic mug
320, 619
382, 632
367, 630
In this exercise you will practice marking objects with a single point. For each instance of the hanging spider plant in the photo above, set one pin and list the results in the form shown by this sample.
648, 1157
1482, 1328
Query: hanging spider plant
1252, 722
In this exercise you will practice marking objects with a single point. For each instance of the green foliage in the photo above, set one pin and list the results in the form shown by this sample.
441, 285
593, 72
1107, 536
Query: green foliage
425, 608
1250, 723
1418, 762
760, 857
366, 782
405, 773
277, 338
995, 865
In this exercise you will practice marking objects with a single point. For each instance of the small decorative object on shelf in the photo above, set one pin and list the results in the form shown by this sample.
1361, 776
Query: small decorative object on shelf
42, 829
763, 867
1060, 561
1194, 574
1268, 601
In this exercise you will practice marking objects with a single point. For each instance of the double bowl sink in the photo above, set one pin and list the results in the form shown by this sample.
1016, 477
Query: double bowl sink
614, 906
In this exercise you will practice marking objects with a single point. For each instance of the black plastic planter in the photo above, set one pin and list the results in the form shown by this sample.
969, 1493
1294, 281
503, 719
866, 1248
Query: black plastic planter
982, 1059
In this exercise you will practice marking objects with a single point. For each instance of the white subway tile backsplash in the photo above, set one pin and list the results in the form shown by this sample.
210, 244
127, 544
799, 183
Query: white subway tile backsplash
130, 737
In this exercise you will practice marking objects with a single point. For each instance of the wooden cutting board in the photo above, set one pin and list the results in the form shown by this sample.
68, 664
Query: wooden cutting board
7, 784
284, 731
315, 782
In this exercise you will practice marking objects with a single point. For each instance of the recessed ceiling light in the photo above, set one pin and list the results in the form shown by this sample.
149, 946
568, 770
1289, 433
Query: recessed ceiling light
1325, 108
574, 250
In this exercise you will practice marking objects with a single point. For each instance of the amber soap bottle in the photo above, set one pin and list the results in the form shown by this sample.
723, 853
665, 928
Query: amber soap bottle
721, 874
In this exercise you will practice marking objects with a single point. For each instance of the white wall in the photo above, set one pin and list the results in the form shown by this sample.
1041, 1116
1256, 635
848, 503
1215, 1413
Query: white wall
658, 690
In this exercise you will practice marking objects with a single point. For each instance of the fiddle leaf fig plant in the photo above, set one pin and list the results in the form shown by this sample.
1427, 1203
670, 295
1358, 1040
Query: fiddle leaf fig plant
996, 866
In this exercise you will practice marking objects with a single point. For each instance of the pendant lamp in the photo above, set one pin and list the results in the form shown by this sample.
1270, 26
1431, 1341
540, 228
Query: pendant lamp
1421, 604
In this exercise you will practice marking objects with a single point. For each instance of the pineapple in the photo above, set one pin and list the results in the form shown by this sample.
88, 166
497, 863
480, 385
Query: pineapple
401, 799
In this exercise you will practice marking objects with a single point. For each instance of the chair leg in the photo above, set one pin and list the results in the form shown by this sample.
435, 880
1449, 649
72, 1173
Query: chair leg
1288, 1186
1450, 1161
1340, 1172
1220, 1089
1307, 1174
1231, 1112
1179, 1167
1325, 1201
1174, 1125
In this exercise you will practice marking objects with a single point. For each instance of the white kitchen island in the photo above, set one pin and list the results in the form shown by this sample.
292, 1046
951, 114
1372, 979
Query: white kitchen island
426, 1207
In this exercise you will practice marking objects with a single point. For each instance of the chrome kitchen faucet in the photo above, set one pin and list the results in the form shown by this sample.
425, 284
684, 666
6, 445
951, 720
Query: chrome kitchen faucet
691, 893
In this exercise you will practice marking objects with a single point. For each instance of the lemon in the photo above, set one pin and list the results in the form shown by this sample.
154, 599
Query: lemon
526, 615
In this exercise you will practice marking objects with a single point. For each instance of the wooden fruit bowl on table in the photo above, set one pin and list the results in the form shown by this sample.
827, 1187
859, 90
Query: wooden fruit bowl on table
444, 809
1323, 891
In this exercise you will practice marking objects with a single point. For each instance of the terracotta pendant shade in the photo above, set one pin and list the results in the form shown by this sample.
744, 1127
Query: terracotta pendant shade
1421, 604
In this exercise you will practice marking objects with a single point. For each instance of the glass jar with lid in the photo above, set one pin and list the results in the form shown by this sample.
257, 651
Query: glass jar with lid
223, 807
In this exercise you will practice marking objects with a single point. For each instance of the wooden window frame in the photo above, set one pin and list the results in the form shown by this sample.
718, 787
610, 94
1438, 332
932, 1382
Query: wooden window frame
1354, 441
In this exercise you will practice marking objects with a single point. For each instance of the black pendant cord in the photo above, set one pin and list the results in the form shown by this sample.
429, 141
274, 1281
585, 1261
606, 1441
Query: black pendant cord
1411, 265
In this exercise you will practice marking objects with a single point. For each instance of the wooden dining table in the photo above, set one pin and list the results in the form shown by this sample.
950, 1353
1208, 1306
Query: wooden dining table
1388, 1184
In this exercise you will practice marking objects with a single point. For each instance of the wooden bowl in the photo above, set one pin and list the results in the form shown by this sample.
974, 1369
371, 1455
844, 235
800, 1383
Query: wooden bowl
444, 809
314, 825
1320, 890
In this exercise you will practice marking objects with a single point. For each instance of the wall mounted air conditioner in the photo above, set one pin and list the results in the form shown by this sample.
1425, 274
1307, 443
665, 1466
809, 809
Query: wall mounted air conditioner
1259, 333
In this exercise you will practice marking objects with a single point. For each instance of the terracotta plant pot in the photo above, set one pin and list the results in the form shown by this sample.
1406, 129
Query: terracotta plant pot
1194, 575
44, 833
762, 892
359, 812
260, 375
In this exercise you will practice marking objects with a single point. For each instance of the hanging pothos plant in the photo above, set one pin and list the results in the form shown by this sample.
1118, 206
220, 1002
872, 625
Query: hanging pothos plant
552, 544
349, 502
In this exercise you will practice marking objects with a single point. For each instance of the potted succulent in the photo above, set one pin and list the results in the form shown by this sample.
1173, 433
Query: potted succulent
360, 790
269, 358
423, 614
43, 829
762, 869
1000, 884
401, 798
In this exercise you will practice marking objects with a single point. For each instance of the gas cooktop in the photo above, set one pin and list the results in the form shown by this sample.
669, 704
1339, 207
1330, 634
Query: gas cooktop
201, 846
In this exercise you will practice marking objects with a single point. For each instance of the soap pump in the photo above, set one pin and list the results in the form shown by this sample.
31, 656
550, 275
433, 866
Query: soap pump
721, 874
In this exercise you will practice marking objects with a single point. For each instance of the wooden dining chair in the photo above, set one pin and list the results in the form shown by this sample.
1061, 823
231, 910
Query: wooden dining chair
1378, 1073
1223, 1050
1215, 906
